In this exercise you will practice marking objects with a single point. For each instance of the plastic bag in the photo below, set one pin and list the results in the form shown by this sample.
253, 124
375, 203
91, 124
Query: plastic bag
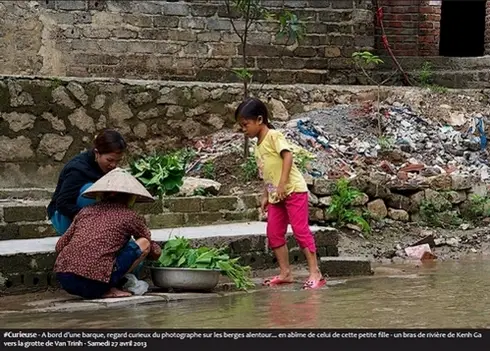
135, 286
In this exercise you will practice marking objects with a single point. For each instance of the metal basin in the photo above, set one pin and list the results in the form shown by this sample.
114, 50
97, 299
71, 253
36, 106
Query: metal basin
185, 278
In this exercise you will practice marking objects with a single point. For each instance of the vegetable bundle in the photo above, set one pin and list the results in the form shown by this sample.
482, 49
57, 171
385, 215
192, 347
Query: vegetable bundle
179, 253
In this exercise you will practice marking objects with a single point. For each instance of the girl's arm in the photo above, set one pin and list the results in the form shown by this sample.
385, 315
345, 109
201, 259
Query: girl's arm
287, 163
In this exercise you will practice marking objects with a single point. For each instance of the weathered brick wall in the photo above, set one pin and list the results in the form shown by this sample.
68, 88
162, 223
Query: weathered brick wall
178, 40
411, 26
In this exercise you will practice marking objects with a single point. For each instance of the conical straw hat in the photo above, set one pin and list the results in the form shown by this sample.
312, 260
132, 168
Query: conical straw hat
120, 181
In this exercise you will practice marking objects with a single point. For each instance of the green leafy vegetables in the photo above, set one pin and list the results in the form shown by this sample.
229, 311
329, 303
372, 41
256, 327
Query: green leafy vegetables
179, 253
160, 174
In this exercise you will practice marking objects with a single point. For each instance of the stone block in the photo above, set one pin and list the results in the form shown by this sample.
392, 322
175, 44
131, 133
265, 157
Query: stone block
321, 252
35, 230
251, 201
166, 220
187, 205
398, 201
312, 199
374, 191
343, 4
203, 218
296, 256
165, 22
377, 209
9, 231
416, 200
24, 213
455, 197
255, 260
361, 200
27, 263
155, 207
325, 201
176, 9
324, 187
71, 5
242, 216
203, 10
326, 237
398, 215
459, 182
479, 190
316, 214
440, 182
438, 200
221, 203
345, 266
332, 251
248, 244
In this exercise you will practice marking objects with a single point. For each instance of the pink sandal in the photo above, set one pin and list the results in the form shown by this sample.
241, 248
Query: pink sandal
275, 281
314, 284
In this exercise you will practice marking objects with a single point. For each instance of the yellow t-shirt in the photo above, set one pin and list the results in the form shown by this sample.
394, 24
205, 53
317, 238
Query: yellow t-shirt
269, 162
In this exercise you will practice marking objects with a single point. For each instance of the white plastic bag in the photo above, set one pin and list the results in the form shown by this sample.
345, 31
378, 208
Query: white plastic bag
135, 286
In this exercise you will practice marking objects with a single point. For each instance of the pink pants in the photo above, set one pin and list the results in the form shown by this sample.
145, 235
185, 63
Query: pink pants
293, 210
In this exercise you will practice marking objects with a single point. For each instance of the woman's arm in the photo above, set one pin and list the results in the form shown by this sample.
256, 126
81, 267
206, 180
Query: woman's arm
139, 229
66, 237
66, 203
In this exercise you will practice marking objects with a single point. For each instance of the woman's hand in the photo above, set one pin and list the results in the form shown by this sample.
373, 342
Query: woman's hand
155, 252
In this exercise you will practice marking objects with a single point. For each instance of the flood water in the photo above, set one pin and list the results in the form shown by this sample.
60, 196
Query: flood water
447, 295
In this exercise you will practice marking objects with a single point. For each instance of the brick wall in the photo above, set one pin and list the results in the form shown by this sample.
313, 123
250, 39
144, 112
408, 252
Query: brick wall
179, 40
411, 26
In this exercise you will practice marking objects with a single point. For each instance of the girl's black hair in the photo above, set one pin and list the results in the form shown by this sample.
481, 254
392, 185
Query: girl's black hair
252, 108
109, 141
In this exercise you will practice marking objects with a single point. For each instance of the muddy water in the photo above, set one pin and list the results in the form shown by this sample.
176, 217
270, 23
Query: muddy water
449, 294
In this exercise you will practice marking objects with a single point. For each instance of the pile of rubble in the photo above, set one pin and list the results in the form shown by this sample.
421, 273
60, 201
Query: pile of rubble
344, 140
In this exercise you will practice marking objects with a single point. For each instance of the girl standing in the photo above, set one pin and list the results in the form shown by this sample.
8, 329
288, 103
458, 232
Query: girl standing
285, 196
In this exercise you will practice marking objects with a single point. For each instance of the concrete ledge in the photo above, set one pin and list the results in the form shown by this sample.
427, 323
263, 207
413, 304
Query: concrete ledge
27, 265
345, 266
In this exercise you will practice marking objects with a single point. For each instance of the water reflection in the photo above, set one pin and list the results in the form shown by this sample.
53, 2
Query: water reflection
449, 295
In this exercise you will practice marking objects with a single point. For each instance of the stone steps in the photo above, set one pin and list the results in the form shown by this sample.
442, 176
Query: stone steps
26, 264
26, 193
345, 266
26, 219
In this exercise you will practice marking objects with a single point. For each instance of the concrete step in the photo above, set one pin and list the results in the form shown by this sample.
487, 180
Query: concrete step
26, 265
26, 193
345, 266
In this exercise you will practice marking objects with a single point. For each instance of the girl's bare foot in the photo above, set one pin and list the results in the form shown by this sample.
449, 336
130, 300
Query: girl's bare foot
116, 293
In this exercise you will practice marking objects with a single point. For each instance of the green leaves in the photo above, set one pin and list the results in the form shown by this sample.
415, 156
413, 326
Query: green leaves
291, 26
367, 57
179, 253
160, 174
253, 8
342, 202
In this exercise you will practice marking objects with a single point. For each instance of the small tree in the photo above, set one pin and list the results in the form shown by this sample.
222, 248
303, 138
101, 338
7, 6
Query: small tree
252, 11
364, 60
